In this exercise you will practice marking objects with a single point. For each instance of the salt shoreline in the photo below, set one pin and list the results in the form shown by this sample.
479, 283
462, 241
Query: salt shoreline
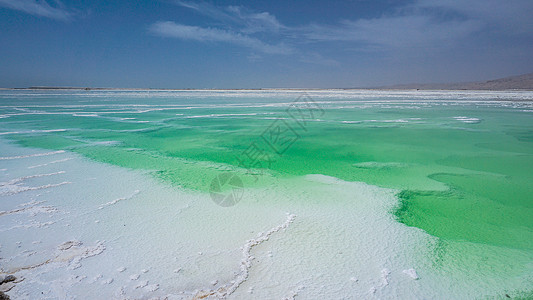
343, 237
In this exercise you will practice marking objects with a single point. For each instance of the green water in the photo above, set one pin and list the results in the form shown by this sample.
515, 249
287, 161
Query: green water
462, 162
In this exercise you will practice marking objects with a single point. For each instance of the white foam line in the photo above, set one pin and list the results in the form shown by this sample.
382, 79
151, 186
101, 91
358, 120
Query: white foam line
387, 121
16, 180
84, 115
246, 263
31, 155
35, 113
467, 120
275, 118
52, 162
18, 189
33, 131
221, 115
136, 192
383, 121
395, 121
31, 209
13, 186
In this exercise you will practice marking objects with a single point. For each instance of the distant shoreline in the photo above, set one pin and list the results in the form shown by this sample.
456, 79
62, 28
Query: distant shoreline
259, 89
513, 83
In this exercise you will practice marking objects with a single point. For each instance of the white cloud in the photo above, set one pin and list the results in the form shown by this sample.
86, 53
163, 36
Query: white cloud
511, 17
185, 32
423, 29
208, 10
39, 8
430, 24
237, 16
255, 22
394, 31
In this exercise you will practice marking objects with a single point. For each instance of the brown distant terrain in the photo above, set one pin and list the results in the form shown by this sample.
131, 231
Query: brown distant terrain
520, 82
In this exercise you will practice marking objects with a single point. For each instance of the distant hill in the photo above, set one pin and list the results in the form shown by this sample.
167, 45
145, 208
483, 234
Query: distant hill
520, 82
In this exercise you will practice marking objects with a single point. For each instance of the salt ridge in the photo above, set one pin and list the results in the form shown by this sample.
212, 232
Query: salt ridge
246, 263
467, 119
135, 193
50, 163
32, 155
33, 131
30, 209
14, 186
18, 189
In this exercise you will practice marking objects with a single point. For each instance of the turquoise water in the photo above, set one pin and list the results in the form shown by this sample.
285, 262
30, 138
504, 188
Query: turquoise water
460, 161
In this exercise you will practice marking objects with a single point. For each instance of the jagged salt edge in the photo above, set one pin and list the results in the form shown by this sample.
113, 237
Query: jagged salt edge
34, 188
32, 155
20, 179
246, 261
34, 209
73, 262
32, 131
87, 252
135, 193
52, 162
15, 188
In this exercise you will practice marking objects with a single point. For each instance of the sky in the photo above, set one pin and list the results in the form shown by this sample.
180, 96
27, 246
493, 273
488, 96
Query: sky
262, 44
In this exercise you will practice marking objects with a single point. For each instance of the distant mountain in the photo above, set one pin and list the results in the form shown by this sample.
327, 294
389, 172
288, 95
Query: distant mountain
520, 82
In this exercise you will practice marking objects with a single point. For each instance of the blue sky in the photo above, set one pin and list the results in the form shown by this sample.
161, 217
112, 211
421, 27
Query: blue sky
253, 44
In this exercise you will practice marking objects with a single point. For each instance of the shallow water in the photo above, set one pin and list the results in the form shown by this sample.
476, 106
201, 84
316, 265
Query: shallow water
432, 181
